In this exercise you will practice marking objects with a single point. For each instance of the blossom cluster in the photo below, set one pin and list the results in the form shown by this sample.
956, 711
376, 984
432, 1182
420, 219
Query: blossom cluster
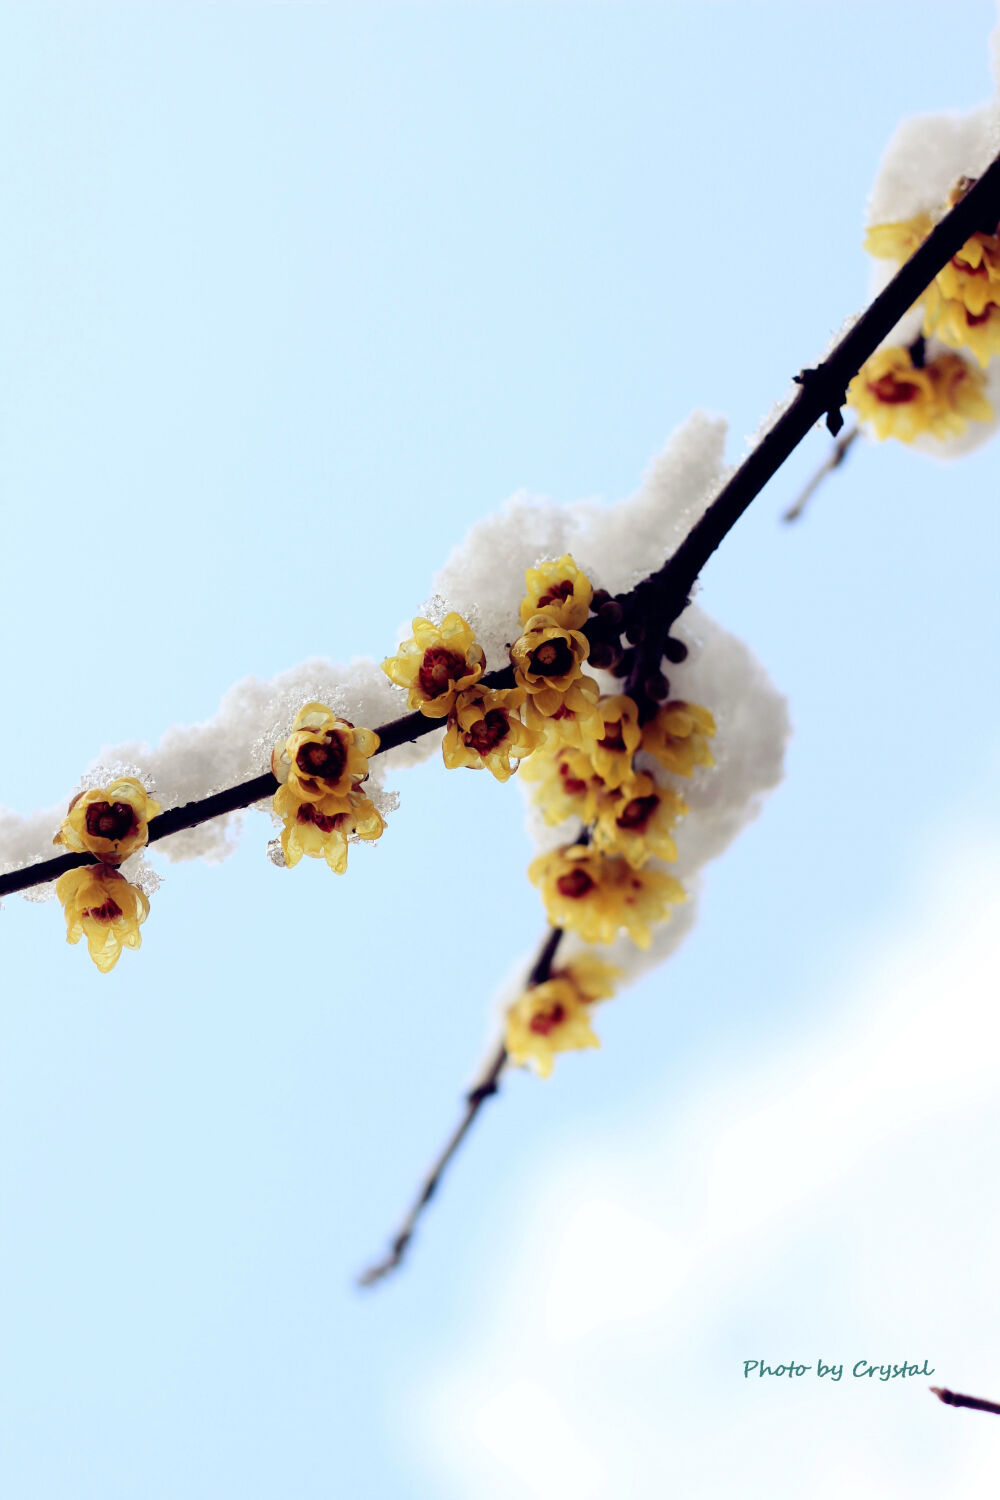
579, 748
320, 767
933, 382
110, 823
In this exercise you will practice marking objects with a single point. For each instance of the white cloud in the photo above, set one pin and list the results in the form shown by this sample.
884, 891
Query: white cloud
836, 1203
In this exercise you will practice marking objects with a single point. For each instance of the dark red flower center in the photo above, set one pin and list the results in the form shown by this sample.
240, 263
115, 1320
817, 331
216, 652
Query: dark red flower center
559, 592
612, 736
324, 761
545, 1021
637, 813
110, 820
485, 736
552, 658
572, 785
439, 669
105, 913
574, 884
974, 319
308, 814
893, 391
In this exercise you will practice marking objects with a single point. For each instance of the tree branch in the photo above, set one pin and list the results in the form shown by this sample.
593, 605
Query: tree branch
822, 393
834, 459
950, 1398
487, 1086
661, 597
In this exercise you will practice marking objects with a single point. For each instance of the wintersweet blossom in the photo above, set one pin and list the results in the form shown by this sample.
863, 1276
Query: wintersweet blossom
958, 301
596, 896
593, 978
548, 661
561, 590
956, 325
320, 827
567, 786
102, 906
484, 729
612, 738
567, 726
898, 241
929, 165
110, 822
548, 1018
678, 736
436, 664
904, 400
324, 755
637, 821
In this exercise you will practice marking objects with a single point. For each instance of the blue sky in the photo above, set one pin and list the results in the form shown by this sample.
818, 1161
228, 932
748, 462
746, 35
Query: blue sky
294, 294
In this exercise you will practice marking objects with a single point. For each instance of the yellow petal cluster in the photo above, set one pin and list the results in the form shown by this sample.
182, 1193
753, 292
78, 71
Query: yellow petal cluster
593, 978
548, 661
102, 906
436, 664
110, 822
567, 784
485, 730
956, 325
320, 828
962, 304
612, 737
902, 401
596, 897
898, 241
678, 736
321, 766
561, 590
554, 1016
549, 1018
324, 755
637, 821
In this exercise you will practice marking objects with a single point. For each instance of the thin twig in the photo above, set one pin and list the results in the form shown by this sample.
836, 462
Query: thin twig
951, 1398
833, 461
485, 1088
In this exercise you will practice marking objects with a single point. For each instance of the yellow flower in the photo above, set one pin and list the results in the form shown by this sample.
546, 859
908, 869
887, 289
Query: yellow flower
561, 590
972, 277
547, 1019
103, 907
900, 401
436, 664
567, 726
612, 738
485, 730
593, 978
636, 821
961, 395
898, 241
678, 736
547, 662
955, 325
326, 756
595, 897
320, 827
568, 786
110, 822
960, 303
